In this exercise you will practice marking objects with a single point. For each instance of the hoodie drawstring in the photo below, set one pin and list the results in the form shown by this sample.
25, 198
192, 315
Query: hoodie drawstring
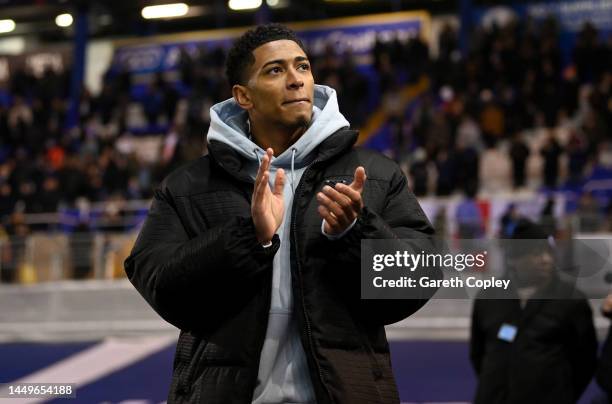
293, 151
257, 155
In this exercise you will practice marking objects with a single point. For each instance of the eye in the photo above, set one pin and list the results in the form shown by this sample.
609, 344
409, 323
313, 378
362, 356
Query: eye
275, 70
304, 66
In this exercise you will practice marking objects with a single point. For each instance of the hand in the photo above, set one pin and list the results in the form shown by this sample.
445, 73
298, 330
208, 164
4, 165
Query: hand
606, 307
341, 205
267, 206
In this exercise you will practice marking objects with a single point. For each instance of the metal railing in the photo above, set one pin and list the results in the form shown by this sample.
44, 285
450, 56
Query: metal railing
44, 257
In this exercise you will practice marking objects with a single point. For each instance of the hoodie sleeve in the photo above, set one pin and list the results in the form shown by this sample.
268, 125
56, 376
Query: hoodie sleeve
401, 219
196, 283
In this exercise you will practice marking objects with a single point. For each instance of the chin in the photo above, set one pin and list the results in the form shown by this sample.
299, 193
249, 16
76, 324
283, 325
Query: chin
299, 121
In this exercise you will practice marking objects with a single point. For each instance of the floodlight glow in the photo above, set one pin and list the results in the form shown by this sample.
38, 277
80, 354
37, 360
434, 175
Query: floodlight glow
272, 3
63, 20
165, 11
238, 5
6, 26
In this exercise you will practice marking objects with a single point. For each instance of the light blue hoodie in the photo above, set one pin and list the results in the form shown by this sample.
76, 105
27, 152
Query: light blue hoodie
283, 370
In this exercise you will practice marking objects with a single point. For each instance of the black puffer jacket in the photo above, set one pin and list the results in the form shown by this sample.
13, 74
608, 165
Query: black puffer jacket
604, 370
198, 264
552, 357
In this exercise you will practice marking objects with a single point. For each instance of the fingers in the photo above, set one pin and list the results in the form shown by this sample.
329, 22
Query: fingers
339, 205
260, 189
331, 222
353, 195
261, 180
359, 180
279, 182
345, 202
263, 167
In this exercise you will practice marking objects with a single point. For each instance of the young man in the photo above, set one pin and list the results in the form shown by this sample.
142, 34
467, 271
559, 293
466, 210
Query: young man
539, 347
253, 251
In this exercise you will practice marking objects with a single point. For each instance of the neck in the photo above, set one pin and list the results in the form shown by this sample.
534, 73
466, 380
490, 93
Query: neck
279, 139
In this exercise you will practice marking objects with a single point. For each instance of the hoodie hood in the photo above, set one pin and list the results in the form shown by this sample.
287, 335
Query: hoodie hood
229, 124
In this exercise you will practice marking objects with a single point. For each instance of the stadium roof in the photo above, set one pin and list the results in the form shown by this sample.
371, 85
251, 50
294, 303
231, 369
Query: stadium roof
113, 18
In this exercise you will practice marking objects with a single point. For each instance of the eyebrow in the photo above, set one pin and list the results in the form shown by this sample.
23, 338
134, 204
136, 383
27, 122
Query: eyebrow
281, 61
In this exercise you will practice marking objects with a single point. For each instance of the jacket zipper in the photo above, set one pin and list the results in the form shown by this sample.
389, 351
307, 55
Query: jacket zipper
299, 270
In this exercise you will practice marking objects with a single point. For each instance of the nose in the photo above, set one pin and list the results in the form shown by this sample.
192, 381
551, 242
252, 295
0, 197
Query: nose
294, 81
546, 258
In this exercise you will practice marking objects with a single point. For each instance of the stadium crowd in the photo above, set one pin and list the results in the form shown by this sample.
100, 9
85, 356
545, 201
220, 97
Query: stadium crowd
511, 84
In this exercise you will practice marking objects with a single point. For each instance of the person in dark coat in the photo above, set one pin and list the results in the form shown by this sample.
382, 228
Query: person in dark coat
519, 153
254, 250
540, 346
551, 151
604, 370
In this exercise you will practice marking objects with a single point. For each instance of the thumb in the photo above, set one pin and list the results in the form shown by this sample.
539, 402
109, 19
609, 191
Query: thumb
359, 180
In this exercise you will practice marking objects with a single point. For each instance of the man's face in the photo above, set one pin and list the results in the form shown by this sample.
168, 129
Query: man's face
535, 268
280, 86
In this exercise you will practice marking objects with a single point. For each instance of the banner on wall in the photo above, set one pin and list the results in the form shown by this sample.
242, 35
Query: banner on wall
35, 63
355, 34
571, 16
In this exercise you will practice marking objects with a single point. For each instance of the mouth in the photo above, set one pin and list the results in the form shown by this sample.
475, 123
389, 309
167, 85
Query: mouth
297, 101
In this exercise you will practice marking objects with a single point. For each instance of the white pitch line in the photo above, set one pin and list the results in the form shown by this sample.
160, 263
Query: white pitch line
93, 363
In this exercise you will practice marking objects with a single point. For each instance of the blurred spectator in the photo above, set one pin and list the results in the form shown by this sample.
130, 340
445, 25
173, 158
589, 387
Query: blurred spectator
491, 120
440, 222
604, 369
467, 160
469, 134
589, 215
419, 173
72, 179
519, 152
152, 103
185, 67
81, 247
509, 221
170, 99
551, 151
533, 348
7, 273
50, 196
590, 57
577, 159
547, 217
17, 231
7, 199
468, 215
446, 173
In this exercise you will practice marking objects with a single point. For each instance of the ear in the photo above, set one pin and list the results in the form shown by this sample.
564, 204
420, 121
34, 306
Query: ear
242, 96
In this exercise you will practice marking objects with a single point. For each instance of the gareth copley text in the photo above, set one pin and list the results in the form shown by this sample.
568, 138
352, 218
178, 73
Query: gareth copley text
455, 282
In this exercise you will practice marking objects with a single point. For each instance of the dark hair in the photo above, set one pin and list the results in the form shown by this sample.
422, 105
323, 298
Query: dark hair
240, 56
535, 239
527, 230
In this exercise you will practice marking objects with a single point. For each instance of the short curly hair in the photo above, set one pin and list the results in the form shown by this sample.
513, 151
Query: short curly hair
240, 56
